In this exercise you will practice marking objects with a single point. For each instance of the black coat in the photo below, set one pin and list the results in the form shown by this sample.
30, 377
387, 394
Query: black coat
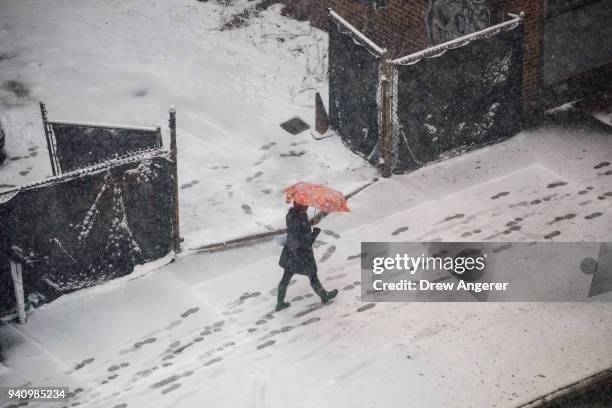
297, 256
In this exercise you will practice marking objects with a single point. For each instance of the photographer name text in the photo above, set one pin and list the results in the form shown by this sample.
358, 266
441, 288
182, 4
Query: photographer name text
425, 285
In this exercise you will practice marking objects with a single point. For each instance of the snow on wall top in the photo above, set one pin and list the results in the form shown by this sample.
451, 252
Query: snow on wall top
440, 49
103, 125
131, 157
358, 33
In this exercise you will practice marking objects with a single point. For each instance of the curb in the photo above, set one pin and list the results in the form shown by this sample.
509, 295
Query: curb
265, 236
570, 391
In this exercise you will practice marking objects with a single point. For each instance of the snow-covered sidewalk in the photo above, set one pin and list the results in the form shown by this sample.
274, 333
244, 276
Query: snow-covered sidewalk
201, 330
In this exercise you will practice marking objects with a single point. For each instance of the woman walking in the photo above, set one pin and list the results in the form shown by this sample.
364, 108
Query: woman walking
297, 256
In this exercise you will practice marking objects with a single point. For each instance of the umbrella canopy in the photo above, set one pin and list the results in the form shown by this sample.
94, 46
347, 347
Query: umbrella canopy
316, 195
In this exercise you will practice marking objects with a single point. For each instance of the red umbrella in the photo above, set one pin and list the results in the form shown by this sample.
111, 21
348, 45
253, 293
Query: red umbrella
317, 196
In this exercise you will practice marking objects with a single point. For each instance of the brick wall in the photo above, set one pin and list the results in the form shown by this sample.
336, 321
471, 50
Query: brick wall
532, 49
400, 27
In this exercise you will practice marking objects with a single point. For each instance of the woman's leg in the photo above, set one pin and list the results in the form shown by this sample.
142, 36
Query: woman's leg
325, 296
282, 291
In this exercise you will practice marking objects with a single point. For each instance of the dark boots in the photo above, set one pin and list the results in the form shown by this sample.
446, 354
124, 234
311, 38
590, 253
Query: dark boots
323, 294
316, 286
280, 298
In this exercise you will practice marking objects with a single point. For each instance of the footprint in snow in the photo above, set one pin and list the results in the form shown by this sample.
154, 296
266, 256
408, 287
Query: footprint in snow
189, 185
268, 146
499, 195
190, 312
399, 231
309, 310
552, 235
248, 295
328, 253
247, 209
310, 321
557, 184
139, 344
366, 307
453, 217
171, 388
84, 363
266, 344
351, 257
331, 233
254, 176
565, 217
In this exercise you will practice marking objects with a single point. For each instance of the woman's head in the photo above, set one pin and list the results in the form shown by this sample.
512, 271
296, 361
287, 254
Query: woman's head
300, 207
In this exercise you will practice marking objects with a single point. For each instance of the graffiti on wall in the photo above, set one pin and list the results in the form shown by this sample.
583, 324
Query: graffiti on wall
450, 19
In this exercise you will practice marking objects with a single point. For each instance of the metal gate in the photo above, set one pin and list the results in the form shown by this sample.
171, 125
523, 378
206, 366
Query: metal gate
74, 145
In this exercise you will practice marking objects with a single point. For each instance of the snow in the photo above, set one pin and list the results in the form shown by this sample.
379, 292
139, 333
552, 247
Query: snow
90, 217
103, 125
602, 112
212, 312
358, 33
199, 331
141, 155
440, 49
603, 116
127, 61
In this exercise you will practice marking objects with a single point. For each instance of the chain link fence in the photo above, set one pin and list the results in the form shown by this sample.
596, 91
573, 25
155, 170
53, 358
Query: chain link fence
116, 208
73, 145
354, 88
88, 226
457, 96
404, 113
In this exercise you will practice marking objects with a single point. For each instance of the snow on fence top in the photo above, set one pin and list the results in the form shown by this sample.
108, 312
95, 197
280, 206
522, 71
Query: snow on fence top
104, 125
440, 49
358, 33
131, 157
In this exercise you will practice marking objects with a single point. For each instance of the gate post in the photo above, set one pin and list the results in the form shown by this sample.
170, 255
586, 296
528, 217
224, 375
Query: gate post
176, 233
17, 275
385, 137
50, 147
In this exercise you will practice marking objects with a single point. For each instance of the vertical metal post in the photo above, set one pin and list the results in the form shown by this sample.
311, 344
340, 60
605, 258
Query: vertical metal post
176, 233
158, 130
43, 113
17, 275
385, 136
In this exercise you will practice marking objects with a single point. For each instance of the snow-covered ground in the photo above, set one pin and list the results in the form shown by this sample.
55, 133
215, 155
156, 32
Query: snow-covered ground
201, 331
127, 61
